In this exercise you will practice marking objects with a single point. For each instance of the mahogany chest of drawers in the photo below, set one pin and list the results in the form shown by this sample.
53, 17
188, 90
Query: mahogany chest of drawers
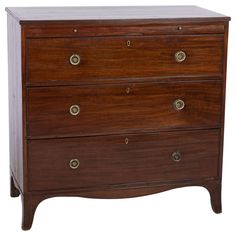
115, 102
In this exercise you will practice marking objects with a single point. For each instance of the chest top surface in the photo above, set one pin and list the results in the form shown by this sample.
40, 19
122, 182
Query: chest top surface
159, 13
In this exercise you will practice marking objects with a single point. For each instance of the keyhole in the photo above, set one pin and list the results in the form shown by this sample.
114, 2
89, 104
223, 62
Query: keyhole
126, 140
127, 90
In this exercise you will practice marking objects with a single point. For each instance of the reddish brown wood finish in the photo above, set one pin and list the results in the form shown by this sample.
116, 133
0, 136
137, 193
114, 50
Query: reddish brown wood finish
121, 28
15, 102
48, 59
42, 86
108, 160
223, 100
14, 192
32, 200
109, 109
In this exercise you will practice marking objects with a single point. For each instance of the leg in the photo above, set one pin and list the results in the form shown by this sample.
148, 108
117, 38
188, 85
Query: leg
29, 205
215, 193
14, 192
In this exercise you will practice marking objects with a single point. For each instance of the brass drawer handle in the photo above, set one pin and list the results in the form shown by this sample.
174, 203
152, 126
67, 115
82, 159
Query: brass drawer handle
75, 59
180, 56
74, 164
74, 110
179, 104
176, 156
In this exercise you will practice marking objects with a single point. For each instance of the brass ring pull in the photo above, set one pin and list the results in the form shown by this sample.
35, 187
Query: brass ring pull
74, 164
180, 56
75, 59
176, 156
179, 104
74, 110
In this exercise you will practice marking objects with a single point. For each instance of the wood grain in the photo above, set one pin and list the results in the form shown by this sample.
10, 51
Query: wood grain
15, 101
32, 200
110, 58
108, 160
223, 100
123, 140
109, 109
121, 28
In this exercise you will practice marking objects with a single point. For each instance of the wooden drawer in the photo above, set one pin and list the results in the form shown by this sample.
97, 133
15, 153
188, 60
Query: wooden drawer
108, 58
115, 102
121, 28
109, 160
123, 108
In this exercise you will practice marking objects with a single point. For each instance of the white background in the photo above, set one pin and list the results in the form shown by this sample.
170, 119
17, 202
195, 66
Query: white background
182, 212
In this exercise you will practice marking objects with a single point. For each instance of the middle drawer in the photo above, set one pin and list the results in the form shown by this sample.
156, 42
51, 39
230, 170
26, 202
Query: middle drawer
123, 108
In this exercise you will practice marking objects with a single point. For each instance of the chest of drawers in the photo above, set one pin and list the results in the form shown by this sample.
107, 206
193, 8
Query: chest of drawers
115, 102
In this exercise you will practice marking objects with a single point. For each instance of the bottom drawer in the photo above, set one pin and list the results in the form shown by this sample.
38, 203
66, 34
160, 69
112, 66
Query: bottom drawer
119, 159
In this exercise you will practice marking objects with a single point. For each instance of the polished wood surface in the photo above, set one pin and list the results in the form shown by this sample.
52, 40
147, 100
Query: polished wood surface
109, 160
223, 100
32, 200
127, 128
109, 58
16, 130
121, 28
148, 107
28, 14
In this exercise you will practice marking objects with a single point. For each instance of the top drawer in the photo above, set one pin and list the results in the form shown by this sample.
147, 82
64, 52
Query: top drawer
100, 59
120, 28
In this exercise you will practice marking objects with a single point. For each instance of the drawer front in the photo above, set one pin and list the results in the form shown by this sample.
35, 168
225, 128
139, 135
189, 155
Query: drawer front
122, 108
112, 160
52, 60
115, 28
